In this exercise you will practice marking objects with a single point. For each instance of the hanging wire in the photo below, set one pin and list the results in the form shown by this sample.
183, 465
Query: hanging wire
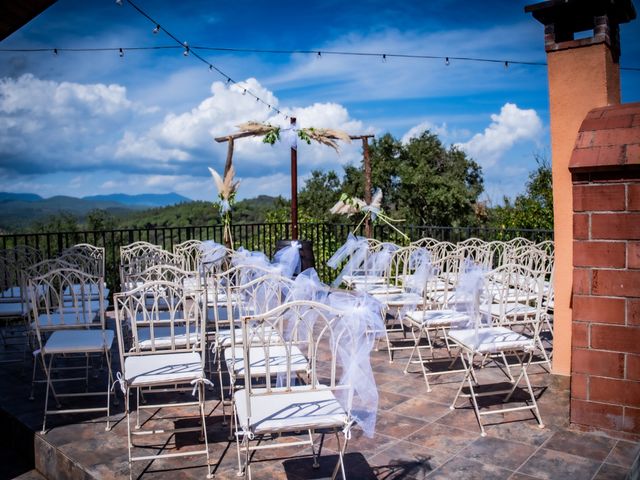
316, 53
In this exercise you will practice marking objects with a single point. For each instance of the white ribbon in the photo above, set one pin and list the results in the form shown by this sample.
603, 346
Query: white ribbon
289, 136
197, 382
119, 380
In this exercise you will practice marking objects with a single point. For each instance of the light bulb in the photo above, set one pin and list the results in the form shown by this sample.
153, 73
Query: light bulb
121, 53
156, 30
446, 61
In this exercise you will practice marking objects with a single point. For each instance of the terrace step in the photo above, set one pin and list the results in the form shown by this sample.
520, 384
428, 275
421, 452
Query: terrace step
30, 475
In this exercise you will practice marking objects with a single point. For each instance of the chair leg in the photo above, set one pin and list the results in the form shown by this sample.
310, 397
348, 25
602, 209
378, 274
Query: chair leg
201, 400
340, 465
127, 407
313, 451
107, 355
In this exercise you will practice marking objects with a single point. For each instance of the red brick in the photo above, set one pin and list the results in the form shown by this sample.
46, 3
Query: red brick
615, 226
631, 422
618, 392
587, 308
596, 414
619, 283
599, 254
579, 386
615, 338
632, 370
598, 198
581, 281
585, 139
579, 334
619, 121
633, 255
581, 226
633, 195
595, 362
633, 312
636, 121
618, 136
632, 154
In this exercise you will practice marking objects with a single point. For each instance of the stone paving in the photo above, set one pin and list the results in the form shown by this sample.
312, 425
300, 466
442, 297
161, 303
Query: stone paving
417, 436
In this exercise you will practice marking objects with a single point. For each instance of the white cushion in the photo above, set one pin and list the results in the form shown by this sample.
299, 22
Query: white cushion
300, 409
490, 340
78, 341
438, 318
376, 289
163, 368
162, 337
371, 279
11, 309
67, 318
277, 360
399, 299
510, 309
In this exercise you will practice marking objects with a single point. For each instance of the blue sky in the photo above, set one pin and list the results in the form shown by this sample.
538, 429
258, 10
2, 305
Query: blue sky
94, 123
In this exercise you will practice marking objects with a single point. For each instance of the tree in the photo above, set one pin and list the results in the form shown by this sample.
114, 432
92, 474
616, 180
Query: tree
321, 191
534, 208
60, 222
99, 219
437, 185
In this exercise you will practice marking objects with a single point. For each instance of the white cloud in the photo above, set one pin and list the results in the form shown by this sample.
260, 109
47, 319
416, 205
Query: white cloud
510, 126
415, 132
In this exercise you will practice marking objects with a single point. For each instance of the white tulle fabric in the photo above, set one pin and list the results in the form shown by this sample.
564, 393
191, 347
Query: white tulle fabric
288, 259
355, 335
469, 296
355, 249
212, 252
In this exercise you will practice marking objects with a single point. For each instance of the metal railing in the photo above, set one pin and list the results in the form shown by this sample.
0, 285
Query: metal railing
326, 239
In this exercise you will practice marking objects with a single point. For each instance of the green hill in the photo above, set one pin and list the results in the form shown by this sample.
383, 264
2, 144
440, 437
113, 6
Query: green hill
251, 210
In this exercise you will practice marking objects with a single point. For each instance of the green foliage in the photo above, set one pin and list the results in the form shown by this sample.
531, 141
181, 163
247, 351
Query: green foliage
532, 209
99, 219
63, 221
422, 182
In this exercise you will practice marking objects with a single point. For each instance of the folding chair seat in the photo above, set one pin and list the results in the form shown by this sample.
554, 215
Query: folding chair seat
170, 368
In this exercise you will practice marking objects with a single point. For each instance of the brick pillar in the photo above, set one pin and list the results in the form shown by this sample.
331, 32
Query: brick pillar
583, 74
605, 365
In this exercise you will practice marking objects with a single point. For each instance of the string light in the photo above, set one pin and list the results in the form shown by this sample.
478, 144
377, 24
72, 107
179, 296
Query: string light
187, 50
156, 29
119, 2
121, 53
384, 58
506, 64
317, 53
55, 51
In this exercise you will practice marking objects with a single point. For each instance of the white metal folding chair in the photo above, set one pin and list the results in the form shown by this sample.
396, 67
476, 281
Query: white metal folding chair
489, 341
167, 355
69, 324
301, 404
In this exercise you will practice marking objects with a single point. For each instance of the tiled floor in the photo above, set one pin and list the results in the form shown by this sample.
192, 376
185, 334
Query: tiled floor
417, 436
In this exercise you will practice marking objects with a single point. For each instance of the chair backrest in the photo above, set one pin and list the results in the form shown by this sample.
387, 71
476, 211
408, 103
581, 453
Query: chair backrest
136, 249
83, 252
512, 288
320, 332
66, 298
13, 261
146, 258
189, 253
164, 318
166, 273
426, 242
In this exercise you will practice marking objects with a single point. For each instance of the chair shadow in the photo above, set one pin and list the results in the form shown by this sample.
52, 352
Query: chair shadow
356, 466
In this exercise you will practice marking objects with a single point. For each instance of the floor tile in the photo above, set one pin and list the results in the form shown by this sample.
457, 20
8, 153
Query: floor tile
423, 408
464, 468
624, 453
552, 465
404, 460
442, 437
611, 472
495, 451
581, 444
